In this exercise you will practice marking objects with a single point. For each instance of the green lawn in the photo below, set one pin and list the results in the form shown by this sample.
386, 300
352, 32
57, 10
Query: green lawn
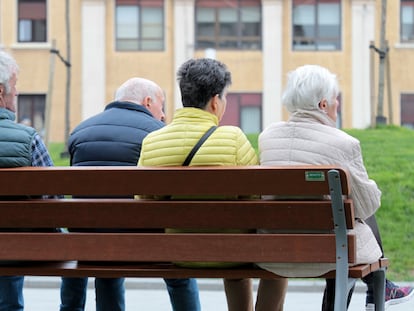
389, 157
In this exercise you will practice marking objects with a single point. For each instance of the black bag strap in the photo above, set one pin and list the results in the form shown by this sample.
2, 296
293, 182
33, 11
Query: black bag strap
198, 145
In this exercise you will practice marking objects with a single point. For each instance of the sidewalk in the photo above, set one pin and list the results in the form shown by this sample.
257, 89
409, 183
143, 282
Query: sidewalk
42, 294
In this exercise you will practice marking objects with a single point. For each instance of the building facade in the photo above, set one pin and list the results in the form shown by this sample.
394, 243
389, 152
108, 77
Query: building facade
73, 54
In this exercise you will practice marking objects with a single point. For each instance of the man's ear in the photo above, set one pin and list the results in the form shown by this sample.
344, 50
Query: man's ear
2, 94
147, 102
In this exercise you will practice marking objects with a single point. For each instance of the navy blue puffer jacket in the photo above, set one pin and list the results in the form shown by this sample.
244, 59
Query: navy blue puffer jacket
112, 137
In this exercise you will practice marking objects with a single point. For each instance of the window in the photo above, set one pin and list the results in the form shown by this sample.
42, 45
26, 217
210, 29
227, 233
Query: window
139, 25
32, 21
407, 20
407, 110
244, 110
231, 24
31, 111
316, 24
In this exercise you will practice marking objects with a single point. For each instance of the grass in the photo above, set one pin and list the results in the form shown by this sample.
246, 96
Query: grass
389, 158
56, 150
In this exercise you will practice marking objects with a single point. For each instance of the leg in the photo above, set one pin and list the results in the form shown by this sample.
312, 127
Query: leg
368, 280
110, 294
372, 223
328, 299
239, 294
11, 293
183, 294
328, 302
73, 294
271, 294
394, 294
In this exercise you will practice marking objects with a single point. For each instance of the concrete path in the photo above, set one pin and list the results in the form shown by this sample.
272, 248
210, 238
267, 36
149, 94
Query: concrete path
42, 294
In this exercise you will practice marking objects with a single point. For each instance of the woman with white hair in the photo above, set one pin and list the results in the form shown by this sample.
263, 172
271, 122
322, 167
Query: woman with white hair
310, 137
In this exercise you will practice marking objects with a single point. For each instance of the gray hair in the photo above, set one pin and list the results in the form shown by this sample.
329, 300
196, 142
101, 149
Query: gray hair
8, 67
136, 89
200, 80
307, 86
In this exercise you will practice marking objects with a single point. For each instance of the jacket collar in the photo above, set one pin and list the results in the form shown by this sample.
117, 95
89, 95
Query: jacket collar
129, 106
7, 114
312, 116
190, 114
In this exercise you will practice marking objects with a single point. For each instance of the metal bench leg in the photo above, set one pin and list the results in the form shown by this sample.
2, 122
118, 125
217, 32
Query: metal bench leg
343, 293
379, 289
351, 287
342, 283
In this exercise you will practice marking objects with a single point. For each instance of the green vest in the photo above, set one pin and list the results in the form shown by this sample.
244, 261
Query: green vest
15, 141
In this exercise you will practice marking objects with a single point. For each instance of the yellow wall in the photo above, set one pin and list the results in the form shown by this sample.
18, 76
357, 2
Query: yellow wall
339, 62
35, 60
246, 69
401, 60
246, 66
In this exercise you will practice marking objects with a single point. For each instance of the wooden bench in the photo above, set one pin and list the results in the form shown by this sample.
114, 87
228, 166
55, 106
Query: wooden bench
149, 254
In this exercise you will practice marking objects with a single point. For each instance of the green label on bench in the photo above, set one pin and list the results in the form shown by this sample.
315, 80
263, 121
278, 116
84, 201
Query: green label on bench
314, 176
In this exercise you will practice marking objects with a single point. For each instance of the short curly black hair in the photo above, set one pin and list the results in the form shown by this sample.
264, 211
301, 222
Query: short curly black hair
200, 80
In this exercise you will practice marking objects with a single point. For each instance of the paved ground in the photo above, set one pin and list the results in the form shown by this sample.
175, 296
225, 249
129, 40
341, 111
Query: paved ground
42, 294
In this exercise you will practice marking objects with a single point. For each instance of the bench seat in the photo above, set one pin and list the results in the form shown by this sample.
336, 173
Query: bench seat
311, 211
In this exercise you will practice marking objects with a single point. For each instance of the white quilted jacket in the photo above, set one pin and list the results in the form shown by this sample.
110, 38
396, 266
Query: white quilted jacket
310, 137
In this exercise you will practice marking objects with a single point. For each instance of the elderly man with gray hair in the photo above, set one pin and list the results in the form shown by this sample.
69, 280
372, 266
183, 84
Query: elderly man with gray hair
21, 145
111, 138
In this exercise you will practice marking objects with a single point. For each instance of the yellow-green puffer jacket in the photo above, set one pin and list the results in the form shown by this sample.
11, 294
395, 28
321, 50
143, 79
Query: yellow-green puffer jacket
170, 145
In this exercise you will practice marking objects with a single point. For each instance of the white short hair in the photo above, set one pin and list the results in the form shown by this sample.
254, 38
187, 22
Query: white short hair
307, 86
8, 67
136, 89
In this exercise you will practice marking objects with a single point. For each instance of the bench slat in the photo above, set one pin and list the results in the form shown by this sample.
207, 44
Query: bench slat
81, 269
93, 213
172, 247
112, 181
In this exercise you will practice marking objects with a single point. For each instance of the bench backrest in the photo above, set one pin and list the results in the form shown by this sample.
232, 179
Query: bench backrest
230, 201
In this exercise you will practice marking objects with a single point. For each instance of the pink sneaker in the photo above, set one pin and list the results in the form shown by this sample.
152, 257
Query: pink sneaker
395, 294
